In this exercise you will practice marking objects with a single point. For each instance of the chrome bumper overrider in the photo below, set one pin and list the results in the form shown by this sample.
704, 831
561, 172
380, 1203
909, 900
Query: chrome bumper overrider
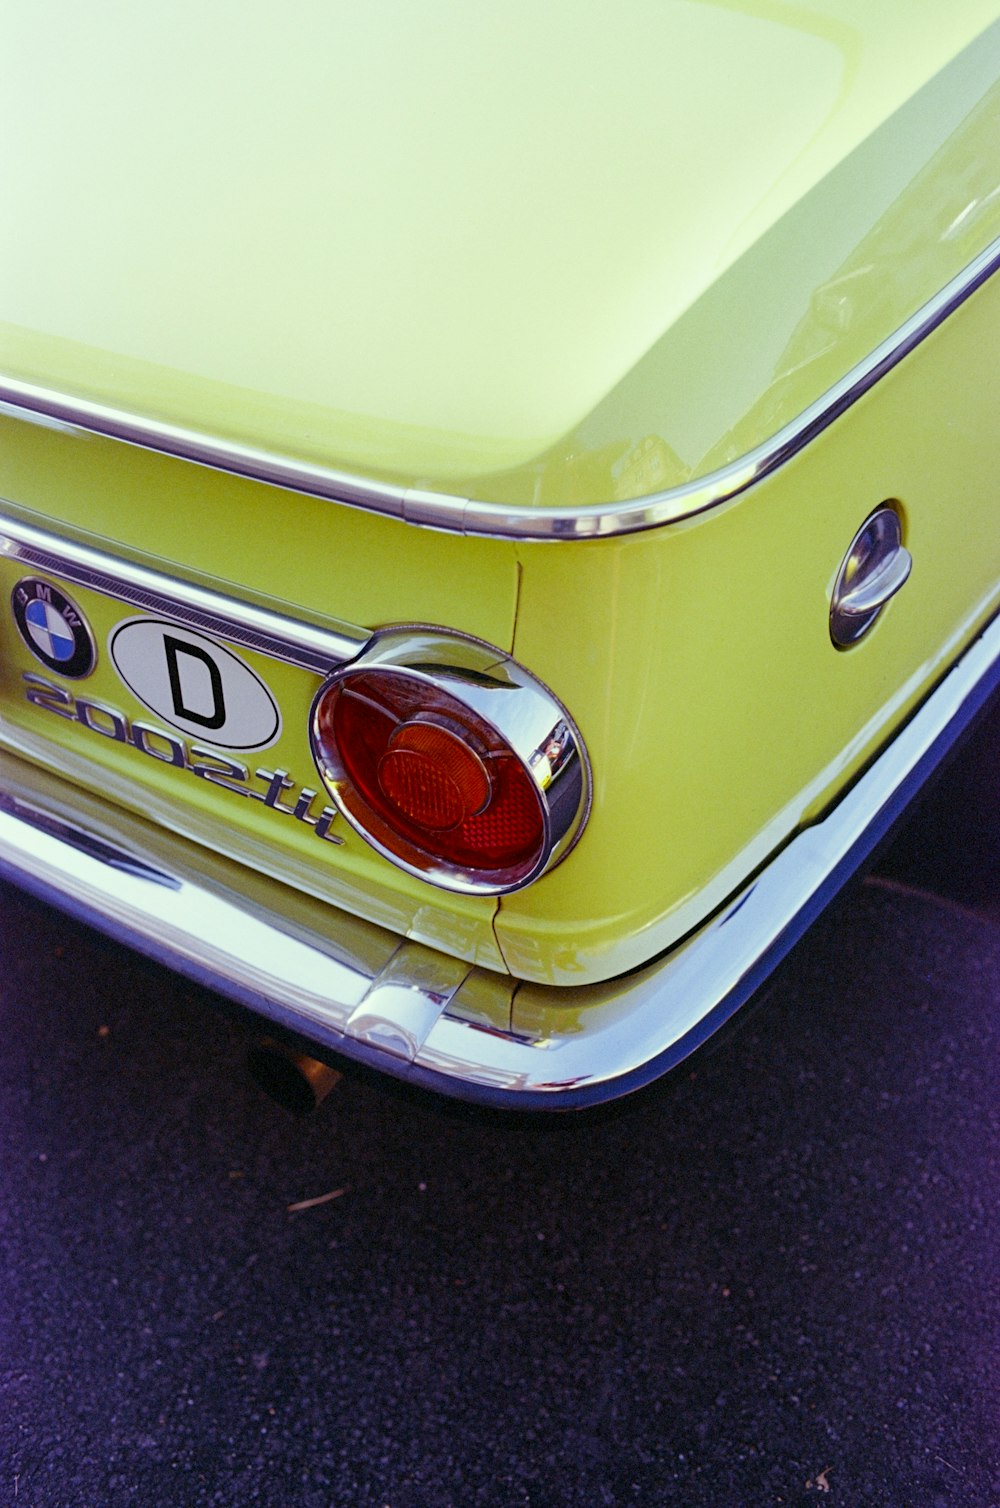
360, 991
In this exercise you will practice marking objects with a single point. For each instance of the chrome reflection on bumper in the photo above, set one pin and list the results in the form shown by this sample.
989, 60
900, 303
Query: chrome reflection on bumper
430, 1019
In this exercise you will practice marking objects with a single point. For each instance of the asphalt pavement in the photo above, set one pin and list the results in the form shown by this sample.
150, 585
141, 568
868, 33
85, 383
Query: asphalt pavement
770, 1279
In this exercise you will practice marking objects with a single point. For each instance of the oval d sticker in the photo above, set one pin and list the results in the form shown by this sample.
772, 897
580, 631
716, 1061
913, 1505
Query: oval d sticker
194, 684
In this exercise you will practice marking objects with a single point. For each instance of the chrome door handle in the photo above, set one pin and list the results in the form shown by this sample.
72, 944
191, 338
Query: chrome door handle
876, 565
876, 588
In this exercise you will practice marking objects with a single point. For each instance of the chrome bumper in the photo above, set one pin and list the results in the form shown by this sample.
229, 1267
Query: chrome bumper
358, 990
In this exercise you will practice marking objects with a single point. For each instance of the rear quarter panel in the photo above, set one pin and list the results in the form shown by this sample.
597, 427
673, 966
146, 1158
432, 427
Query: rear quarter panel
698, 663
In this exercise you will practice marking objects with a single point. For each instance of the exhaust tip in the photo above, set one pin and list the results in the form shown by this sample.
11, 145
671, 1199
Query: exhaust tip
291, 1078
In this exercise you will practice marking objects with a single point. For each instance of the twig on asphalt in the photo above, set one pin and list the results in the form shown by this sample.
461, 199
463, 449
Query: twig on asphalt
308, 1204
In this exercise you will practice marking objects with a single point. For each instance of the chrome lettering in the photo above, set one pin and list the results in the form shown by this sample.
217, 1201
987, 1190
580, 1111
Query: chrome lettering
301, 808
174, 754
217, 776
42, 693
277, 783
323, 824
90, 713
167, 748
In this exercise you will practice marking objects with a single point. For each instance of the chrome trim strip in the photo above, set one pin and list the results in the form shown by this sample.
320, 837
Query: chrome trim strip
460, 515
271, 633
408, 1009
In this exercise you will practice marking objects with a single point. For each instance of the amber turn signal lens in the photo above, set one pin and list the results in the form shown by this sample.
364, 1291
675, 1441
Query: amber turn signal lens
433, 777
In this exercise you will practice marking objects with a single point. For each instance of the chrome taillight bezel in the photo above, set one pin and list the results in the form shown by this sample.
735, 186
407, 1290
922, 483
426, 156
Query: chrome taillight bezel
514, 704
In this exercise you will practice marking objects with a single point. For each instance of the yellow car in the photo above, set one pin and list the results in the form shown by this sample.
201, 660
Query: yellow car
498, 506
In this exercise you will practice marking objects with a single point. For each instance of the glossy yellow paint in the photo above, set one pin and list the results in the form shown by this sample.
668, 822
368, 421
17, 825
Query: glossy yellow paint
838, 273
717, 712
528, 252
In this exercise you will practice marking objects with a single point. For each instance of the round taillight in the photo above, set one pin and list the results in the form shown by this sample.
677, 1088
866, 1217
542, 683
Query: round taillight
451, 761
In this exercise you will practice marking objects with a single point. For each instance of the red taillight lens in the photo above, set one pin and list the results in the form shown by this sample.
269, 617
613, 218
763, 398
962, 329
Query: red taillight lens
427, 779
451, 760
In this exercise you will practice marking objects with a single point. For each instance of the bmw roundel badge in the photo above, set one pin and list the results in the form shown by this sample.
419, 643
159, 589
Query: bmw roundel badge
53, 628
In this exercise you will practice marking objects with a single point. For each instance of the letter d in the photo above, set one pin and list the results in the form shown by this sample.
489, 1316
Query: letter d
174, 648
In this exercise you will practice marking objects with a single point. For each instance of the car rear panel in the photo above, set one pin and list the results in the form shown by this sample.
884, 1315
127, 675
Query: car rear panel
326, 566
696, 659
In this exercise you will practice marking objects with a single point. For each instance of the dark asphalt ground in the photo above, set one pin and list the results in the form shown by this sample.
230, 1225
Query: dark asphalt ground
772, 1279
